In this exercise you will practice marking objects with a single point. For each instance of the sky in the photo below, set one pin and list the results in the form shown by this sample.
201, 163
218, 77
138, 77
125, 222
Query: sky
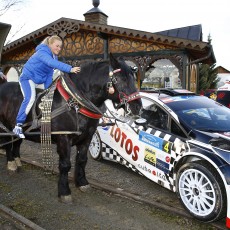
145, 15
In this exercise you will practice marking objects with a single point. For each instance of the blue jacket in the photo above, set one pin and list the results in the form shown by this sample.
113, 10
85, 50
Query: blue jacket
40, 66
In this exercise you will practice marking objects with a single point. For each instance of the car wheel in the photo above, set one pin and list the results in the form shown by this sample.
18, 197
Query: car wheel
95, 147
201, 192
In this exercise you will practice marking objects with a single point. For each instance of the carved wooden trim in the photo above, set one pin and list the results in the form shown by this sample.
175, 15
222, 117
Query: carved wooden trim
123, 45
82, 43
15, 57
177, 60
63, 28
143, 61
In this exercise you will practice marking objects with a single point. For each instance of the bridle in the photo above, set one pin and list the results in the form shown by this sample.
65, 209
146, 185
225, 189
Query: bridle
112, 84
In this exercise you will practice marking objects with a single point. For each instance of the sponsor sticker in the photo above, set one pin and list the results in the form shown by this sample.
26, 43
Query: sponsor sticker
163, 166
156, 142
151, 140
150, 156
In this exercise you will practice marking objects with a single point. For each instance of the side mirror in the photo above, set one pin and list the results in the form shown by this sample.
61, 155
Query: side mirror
141, 121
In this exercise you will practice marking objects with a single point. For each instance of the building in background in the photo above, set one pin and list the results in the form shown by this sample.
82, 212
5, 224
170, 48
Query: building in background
224, 76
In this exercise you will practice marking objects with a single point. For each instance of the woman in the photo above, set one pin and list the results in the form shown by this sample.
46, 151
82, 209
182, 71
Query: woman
39, 70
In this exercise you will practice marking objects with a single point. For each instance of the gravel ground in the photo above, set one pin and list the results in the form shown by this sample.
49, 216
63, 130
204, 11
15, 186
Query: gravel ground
33, 194
113, 174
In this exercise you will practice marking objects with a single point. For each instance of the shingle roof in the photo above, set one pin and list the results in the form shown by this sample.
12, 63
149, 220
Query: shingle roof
189, 32
157, 37
196, 47
221, 69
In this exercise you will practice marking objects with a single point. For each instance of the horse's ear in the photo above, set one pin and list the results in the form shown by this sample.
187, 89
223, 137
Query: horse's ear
113, 61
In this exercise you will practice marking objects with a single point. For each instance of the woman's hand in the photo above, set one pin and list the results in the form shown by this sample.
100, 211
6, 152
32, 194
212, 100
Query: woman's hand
75, 70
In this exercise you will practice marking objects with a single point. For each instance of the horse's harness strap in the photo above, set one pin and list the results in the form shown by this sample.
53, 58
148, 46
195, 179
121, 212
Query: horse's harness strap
124, 99
74, 101
66, 85
7, 131
45, 106
64, 108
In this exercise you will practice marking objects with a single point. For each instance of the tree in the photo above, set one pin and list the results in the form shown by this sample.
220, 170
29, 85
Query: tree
5, 5
207, 77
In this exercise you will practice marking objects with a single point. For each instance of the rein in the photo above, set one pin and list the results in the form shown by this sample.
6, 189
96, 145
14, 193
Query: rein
112, 83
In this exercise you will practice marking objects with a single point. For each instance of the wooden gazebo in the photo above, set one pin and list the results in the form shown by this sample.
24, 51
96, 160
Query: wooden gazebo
94, 39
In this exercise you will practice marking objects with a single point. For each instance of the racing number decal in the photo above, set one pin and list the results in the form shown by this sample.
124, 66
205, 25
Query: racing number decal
126, 143
167, 146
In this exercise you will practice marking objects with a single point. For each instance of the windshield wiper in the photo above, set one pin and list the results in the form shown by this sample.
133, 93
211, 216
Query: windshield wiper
213, 130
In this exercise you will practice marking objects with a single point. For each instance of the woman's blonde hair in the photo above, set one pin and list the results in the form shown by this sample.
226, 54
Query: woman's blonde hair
50, 39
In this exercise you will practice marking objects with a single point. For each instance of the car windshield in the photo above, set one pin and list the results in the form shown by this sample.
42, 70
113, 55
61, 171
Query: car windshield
199, 112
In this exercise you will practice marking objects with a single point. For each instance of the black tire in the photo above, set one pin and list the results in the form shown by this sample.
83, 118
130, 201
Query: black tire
205, 203
95, 147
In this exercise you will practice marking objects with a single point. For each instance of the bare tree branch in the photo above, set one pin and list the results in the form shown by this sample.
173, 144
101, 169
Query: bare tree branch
14, 34
5, 5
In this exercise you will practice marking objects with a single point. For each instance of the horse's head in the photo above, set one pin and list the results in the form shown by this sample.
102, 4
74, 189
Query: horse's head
121, 86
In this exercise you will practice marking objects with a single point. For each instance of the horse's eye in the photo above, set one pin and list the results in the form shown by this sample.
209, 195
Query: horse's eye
114, 80
134, 69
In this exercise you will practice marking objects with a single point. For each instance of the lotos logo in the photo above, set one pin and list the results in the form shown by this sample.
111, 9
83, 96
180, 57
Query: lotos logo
126, 143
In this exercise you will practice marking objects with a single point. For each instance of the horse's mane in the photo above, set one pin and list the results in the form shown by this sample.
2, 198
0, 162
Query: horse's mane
94, 75
94, 65
91, 68
91, 73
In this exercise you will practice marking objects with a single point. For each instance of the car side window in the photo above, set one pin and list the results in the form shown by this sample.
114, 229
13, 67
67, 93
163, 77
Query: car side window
175, 129
155, 116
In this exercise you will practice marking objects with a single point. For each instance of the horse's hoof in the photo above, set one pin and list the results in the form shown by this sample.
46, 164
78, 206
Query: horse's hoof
18, 162
66, 199
85, 188
12, 166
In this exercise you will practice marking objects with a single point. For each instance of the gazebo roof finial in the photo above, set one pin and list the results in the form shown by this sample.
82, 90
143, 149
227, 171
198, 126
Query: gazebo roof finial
95, 15
96, 3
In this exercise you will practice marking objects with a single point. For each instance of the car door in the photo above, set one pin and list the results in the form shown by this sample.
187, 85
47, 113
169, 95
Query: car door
161, 142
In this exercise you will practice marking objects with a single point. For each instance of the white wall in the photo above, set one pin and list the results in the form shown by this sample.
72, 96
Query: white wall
12, 75
223, 78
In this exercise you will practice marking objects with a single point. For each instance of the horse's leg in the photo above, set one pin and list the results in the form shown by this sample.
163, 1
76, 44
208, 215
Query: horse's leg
80, 164
64, 149
16, 152
11, 164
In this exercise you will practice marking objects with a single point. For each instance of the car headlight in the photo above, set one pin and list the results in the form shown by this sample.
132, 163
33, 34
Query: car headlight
221, 147
220, 143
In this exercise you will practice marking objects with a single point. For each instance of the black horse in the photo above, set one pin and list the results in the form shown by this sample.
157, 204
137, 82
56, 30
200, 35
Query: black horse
98, 81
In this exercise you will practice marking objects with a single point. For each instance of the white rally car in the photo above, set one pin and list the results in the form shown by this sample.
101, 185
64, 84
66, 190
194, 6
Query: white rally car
180, 141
